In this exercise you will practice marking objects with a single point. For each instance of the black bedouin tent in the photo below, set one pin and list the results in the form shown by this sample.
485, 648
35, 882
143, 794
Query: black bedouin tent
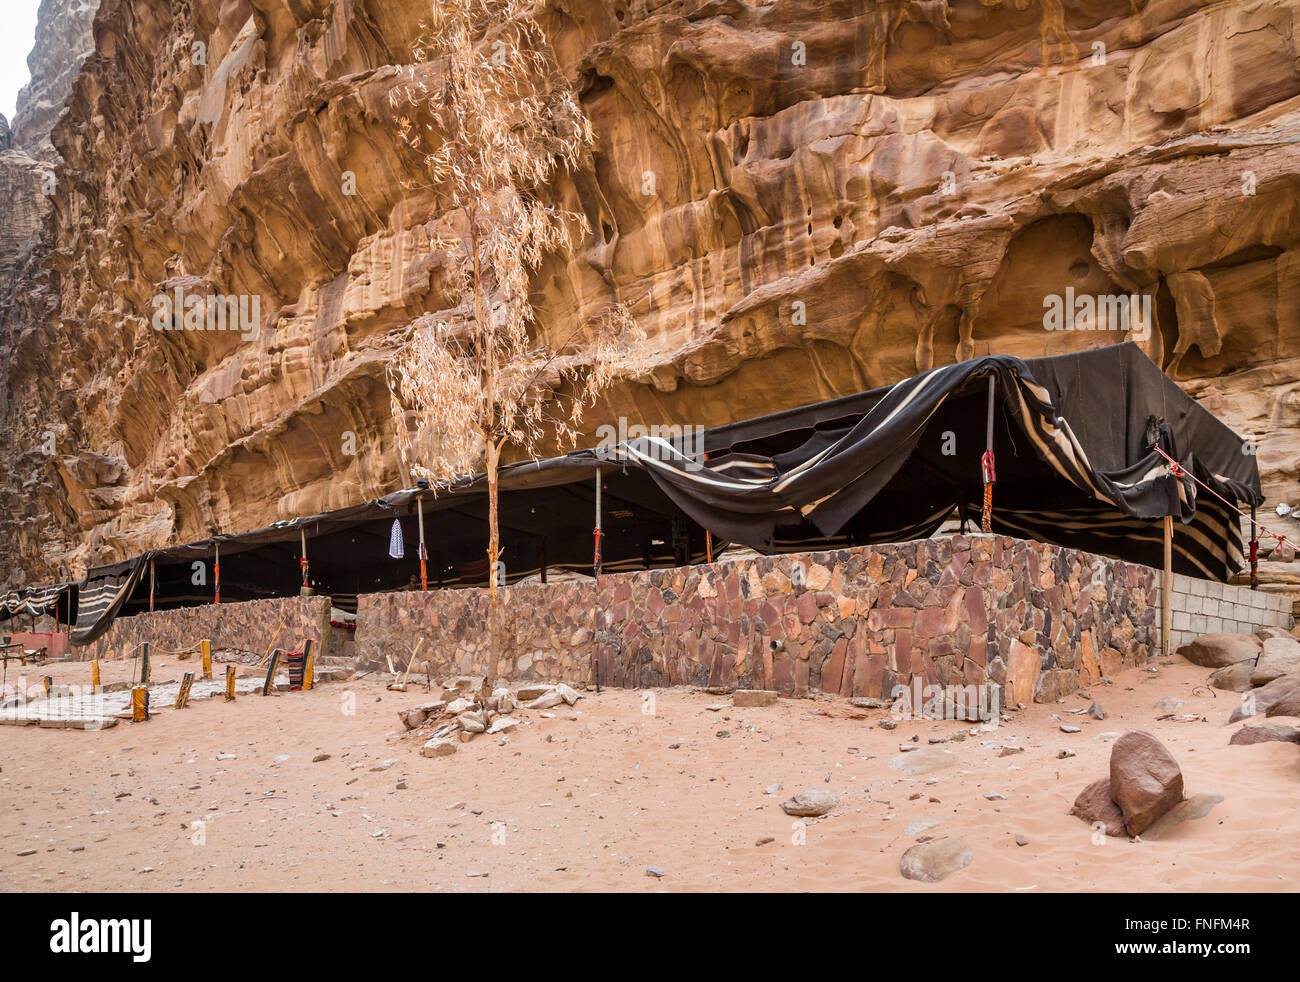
1074, 443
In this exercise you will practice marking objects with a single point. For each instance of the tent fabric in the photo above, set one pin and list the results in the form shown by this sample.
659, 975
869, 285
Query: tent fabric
1119, 406
1075, 439
101, 597
33, 601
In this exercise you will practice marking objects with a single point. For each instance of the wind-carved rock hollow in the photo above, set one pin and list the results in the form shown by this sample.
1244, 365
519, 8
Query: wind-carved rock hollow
798, 200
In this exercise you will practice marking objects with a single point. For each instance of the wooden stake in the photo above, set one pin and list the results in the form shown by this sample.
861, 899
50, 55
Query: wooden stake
94, 675
308, 662
205, 649
183, 693
1167, 588
270, 647
230, 683
270, 672
139, 704
144, 664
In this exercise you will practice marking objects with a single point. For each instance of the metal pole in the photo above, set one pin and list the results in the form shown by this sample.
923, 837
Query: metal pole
302, 538
216, 574
1167, 587
152, 584
599, 527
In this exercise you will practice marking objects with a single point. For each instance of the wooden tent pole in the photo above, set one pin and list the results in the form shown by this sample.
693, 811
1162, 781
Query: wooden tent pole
599, 527
986, 462
1254, 551
1167, 588
424, 567
216, 575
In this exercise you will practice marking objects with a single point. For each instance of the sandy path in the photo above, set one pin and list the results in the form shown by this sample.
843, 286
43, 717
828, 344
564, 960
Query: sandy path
587, 800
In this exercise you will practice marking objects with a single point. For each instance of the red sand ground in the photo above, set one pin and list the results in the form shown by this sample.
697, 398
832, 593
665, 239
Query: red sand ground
589, 799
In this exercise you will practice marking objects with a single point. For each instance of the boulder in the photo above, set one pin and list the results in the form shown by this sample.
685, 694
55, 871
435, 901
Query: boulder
411, 718
810, 803
1145, 779
1261, 700
1234, 678
1221, 650
549, 700
458, 706
472, 722
1287, 705
503, 724
569, 695
1094, 805
438, 747
535, 690
935, 860
1281, 656
1264, 733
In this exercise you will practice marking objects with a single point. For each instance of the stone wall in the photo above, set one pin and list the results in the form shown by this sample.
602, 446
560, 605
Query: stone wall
1035, 618
242, 627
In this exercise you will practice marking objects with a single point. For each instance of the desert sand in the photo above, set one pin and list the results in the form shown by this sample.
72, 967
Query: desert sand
591, 797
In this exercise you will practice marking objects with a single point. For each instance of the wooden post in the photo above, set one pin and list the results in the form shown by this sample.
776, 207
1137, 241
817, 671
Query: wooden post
1167, 588
424, 554
986, 463
144, 663
205, 649
270, 672
599, 528
183, 693
216, 575
308, 662
230, 683
1254, 551
139, 704
94, 675
152, 584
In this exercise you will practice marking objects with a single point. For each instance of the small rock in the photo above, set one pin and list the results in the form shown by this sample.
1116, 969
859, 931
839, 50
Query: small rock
567, 694
935, 860
1096, 712
1022, 840
320, 757
439, 747
1070, 729
1064, 753
656, 871
383, 765
995, 796
549, 700
503, 724
528, 693
810, 803
888, 724
28, 852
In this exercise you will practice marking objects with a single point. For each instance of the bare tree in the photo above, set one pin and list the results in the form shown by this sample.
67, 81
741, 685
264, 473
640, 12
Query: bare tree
495, 121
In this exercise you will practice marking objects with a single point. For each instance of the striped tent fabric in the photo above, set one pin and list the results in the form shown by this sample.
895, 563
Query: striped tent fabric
102, 595
1084, 429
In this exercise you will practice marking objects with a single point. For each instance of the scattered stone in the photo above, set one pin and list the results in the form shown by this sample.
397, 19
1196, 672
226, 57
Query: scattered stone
1145, 779
722, 734
472, 722
1221, 650
888, 724
924, 760
76, 848
1009, 751
1234, 678
995, 796
1287, 705
458, 706
868, 702
753, 698
656, 871
569, 695
810, 803
1022, 840
1094, 805
772, 789
1281, 656
1264, 733
527, 693
503, 724
383, 765
764, 841
548, 701
716, 707
935, 860
1261, 700
320, 757
438, 747
1070, 729
1096, 712
1064, 752
28, 852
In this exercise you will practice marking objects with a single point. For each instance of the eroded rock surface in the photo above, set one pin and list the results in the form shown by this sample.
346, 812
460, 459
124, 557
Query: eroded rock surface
799, 200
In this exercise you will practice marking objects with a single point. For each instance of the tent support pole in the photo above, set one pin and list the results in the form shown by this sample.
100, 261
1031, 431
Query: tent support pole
152, 584
596, 559
216, 576
302, 538
424, 566
1254, 551
986, 463
1167, 588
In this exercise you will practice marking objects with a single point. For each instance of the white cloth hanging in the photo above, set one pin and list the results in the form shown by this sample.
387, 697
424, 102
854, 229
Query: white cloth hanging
396, 548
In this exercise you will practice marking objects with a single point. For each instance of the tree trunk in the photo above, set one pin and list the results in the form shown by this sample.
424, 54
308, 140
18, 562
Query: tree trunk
494, 552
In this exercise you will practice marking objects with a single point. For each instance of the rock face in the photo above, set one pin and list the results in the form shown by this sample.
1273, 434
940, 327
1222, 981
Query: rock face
63, 42
1221, 650
799, 200
1145, 779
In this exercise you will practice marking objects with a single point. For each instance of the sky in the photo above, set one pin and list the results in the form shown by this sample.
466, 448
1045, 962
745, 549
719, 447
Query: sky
17, 35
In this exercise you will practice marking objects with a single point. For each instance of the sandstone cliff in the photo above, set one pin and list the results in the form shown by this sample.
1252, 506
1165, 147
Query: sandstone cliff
799, 199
